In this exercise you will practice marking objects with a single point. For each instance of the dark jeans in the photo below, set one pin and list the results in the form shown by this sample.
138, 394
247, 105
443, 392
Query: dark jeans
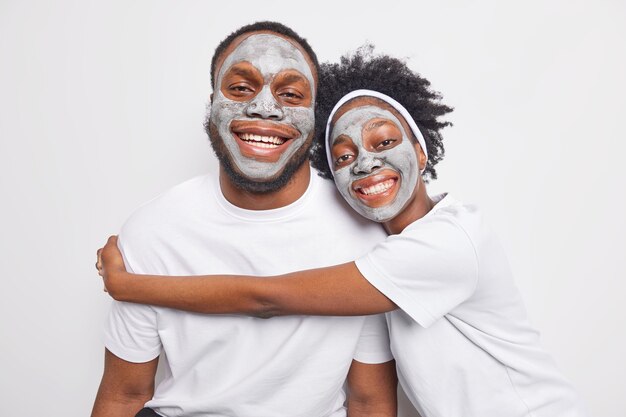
147, 412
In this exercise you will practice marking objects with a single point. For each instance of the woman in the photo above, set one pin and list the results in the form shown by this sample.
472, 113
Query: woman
458, 328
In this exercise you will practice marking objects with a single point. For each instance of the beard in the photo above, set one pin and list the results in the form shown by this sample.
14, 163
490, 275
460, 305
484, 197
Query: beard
252, 185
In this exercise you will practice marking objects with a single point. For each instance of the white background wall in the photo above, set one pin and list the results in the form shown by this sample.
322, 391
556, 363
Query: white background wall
101, 108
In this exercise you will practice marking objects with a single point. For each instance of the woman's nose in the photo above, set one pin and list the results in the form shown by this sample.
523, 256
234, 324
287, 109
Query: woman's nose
367, 163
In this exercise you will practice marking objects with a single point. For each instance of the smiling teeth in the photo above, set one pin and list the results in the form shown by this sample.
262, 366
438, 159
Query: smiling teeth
262, 141
378, 188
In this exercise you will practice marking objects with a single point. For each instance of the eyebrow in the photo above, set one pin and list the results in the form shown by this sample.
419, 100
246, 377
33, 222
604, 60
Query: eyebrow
237, 70
342, 139
292, 78
374, 125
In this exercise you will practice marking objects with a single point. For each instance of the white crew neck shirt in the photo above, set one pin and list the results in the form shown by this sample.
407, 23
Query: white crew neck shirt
231, 365
461, 339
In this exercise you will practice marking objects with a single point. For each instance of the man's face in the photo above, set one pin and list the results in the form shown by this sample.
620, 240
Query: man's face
375, 162
262, 113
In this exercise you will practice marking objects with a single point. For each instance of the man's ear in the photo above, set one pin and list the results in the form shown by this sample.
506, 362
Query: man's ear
208, 106
421, 156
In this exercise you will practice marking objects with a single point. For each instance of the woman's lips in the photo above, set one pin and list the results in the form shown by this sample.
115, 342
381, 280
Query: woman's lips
261, 140
377, 190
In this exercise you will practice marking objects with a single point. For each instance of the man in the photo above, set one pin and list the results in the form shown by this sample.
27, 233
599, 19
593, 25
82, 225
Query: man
268, 213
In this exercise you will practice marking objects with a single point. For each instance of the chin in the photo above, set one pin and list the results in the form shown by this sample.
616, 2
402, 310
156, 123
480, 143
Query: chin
378, 215
249, 183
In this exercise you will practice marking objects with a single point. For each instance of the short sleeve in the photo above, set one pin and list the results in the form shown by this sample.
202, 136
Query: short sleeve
427, 270
130, 330
373, 345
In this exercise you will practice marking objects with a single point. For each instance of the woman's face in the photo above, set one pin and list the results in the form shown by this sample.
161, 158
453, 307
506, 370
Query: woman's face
374, 159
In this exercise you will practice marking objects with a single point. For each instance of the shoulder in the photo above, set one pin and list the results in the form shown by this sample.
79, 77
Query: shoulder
461, 228
451, 231
451, 218
165, 209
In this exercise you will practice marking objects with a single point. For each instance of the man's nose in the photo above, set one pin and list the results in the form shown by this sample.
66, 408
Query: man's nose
264, 106
366, 163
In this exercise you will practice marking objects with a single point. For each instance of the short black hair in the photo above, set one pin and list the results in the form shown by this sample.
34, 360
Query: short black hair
363, 69
256, 27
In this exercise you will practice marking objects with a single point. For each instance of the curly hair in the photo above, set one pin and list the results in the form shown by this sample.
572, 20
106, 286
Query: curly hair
274, 27
385, 74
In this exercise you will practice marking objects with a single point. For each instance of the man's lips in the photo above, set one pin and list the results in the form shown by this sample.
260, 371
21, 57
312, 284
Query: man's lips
262, 140
377, 190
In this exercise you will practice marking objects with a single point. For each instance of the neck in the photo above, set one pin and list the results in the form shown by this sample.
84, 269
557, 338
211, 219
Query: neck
294, 189
418, 206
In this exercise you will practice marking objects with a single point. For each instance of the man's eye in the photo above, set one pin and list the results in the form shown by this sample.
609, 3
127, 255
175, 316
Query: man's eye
240, 88
290, 95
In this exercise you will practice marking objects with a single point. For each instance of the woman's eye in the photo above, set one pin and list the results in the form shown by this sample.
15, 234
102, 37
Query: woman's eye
385, 143
343, 159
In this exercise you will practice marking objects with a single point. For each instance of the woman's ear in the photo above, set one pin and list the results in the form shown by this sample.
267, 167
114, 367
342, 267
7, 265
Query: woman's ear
421, 156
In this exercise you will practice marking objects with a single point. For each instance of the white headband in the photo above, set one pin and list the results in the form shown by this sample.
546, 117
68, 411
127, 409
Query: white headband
393, 103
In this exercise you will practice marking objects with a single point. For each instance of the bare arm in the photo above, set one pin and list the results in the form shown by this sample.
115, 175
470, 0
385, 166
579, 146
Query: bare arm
125, 387
372, 390
338, 290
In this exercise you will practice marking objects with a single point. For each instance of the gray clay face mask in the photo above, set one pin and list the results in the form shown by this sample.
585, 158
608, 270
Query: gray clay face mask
365, 172
269, 54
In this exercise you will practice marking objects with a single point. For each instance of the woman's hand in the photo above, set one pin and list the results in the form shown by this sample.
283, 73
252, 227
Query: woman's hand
111, 268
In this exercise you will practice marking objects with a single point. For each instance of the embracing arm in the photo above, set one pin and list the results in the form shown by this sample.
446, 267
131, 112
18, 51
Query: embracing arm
125, 387
338, 290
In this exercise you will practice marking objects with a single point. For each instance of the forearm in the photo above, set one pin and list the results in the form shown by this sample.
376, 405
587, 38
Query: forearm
339, 290
211, 294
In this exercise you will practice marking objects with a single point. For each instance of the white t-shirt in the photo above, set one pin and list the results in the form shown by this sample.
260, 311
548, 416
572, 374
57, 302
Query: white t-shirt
461, 337
231, 365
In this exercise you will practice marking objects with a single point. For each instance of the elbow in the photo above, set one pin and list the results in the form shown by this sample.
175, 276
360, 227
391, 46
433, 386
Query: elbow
264, 299
265, 310
378, 407
378, 411
266, 314
265, 307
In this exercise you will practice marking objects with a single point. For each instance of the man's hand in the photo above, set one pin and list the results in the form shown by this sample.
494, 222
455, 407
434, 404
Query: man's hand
111, 268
